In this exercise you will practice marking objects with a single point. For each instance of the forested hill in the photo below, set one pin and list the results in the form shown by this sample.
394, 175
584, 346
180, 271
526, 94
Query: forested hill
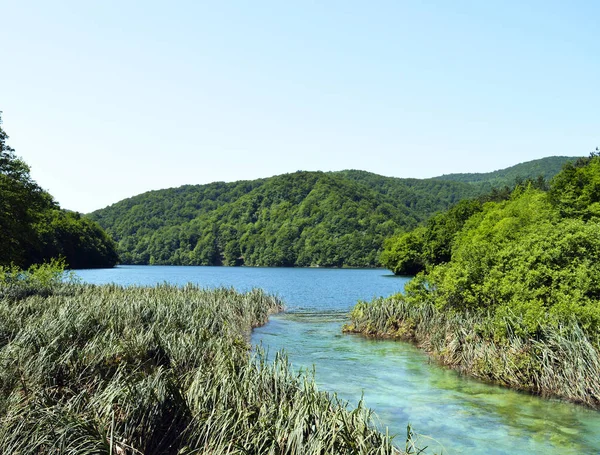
300, 219
419, 194
545, 167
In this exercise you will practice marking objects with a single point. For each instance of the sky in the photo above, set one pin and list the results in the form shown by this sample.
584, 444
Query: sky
105, 100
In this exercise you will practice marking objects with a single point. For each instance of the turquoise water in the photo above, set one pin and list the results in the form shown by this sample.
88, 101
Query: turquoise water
397, 380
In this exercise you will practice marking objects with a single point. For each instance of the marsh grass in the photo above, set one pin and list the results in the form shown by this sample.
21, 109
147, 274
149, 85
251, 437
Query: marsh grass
558, 361
90, 369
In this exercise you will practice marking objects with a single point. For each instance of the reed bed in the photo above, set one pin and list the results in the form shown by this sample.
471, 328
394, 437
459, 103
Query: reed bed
164, 370
557, 362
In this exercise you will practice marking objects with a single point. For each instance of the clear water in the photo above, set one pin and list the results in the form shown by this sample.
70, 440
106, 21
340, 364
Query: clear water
397, 380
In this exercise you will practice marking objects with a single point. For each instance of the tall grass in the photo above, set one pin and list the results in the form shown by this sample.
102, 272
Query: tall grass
165, 370
560, 362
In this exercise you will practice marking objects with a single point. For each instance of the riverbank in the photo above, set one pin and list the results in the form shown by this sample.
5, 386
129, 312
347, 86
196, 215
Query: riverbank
161, 369
558, 362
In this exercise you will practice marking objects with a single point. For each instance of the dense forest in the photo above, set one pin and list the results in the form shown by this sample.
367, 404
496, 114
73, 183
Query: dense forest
544, 167
35, 229
430, 244
535, 254
517, 274
330, 219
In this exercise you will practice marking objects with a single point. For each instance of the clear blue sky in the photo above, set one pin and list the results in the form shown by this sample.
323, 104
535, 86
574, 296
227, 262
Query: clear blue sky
109, 99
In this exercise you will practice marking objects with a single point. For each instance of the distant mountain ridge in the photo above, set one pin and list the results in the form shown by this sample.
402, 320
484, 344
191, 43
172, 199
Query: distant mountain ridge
300, 219
546, 167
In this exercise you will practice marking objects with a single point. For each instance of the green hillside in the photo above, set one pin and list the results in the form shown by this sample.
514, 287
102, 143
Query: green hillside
422, 195
299, 219
332, 219
546, 167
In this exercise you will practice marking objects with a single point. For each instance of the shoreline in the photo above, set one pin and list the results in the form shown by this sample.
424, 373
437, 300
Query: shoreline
362, 267
162, 367
562, 364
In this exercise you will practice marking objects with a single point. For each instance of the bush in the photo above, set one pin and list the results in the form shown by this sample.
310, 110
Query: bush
40, 279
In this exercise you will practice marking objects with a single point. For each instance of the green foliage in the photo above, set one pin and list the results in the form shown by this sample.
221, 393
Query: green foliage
34, 229
40, 279
521, 275
163, 370
520, 257
22, 202
546, 168
79, 240
530, 256
415, 251
425, 196
404, 254
524, 257
302, 219
576, 190
429, 245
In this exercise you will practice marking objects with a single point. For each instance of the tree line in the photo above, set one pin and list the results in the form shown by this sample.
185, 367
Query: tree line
35, 229
329, 219
532, 252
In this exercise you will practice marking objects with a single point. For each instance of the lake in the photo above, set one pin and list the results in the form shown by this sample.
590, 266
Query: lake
452, 413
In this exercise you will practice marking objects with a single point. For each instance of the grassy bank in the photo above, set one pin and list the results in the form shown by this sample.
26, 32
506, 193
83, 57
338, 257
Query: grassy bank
164, 370
556, 361
507, 288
